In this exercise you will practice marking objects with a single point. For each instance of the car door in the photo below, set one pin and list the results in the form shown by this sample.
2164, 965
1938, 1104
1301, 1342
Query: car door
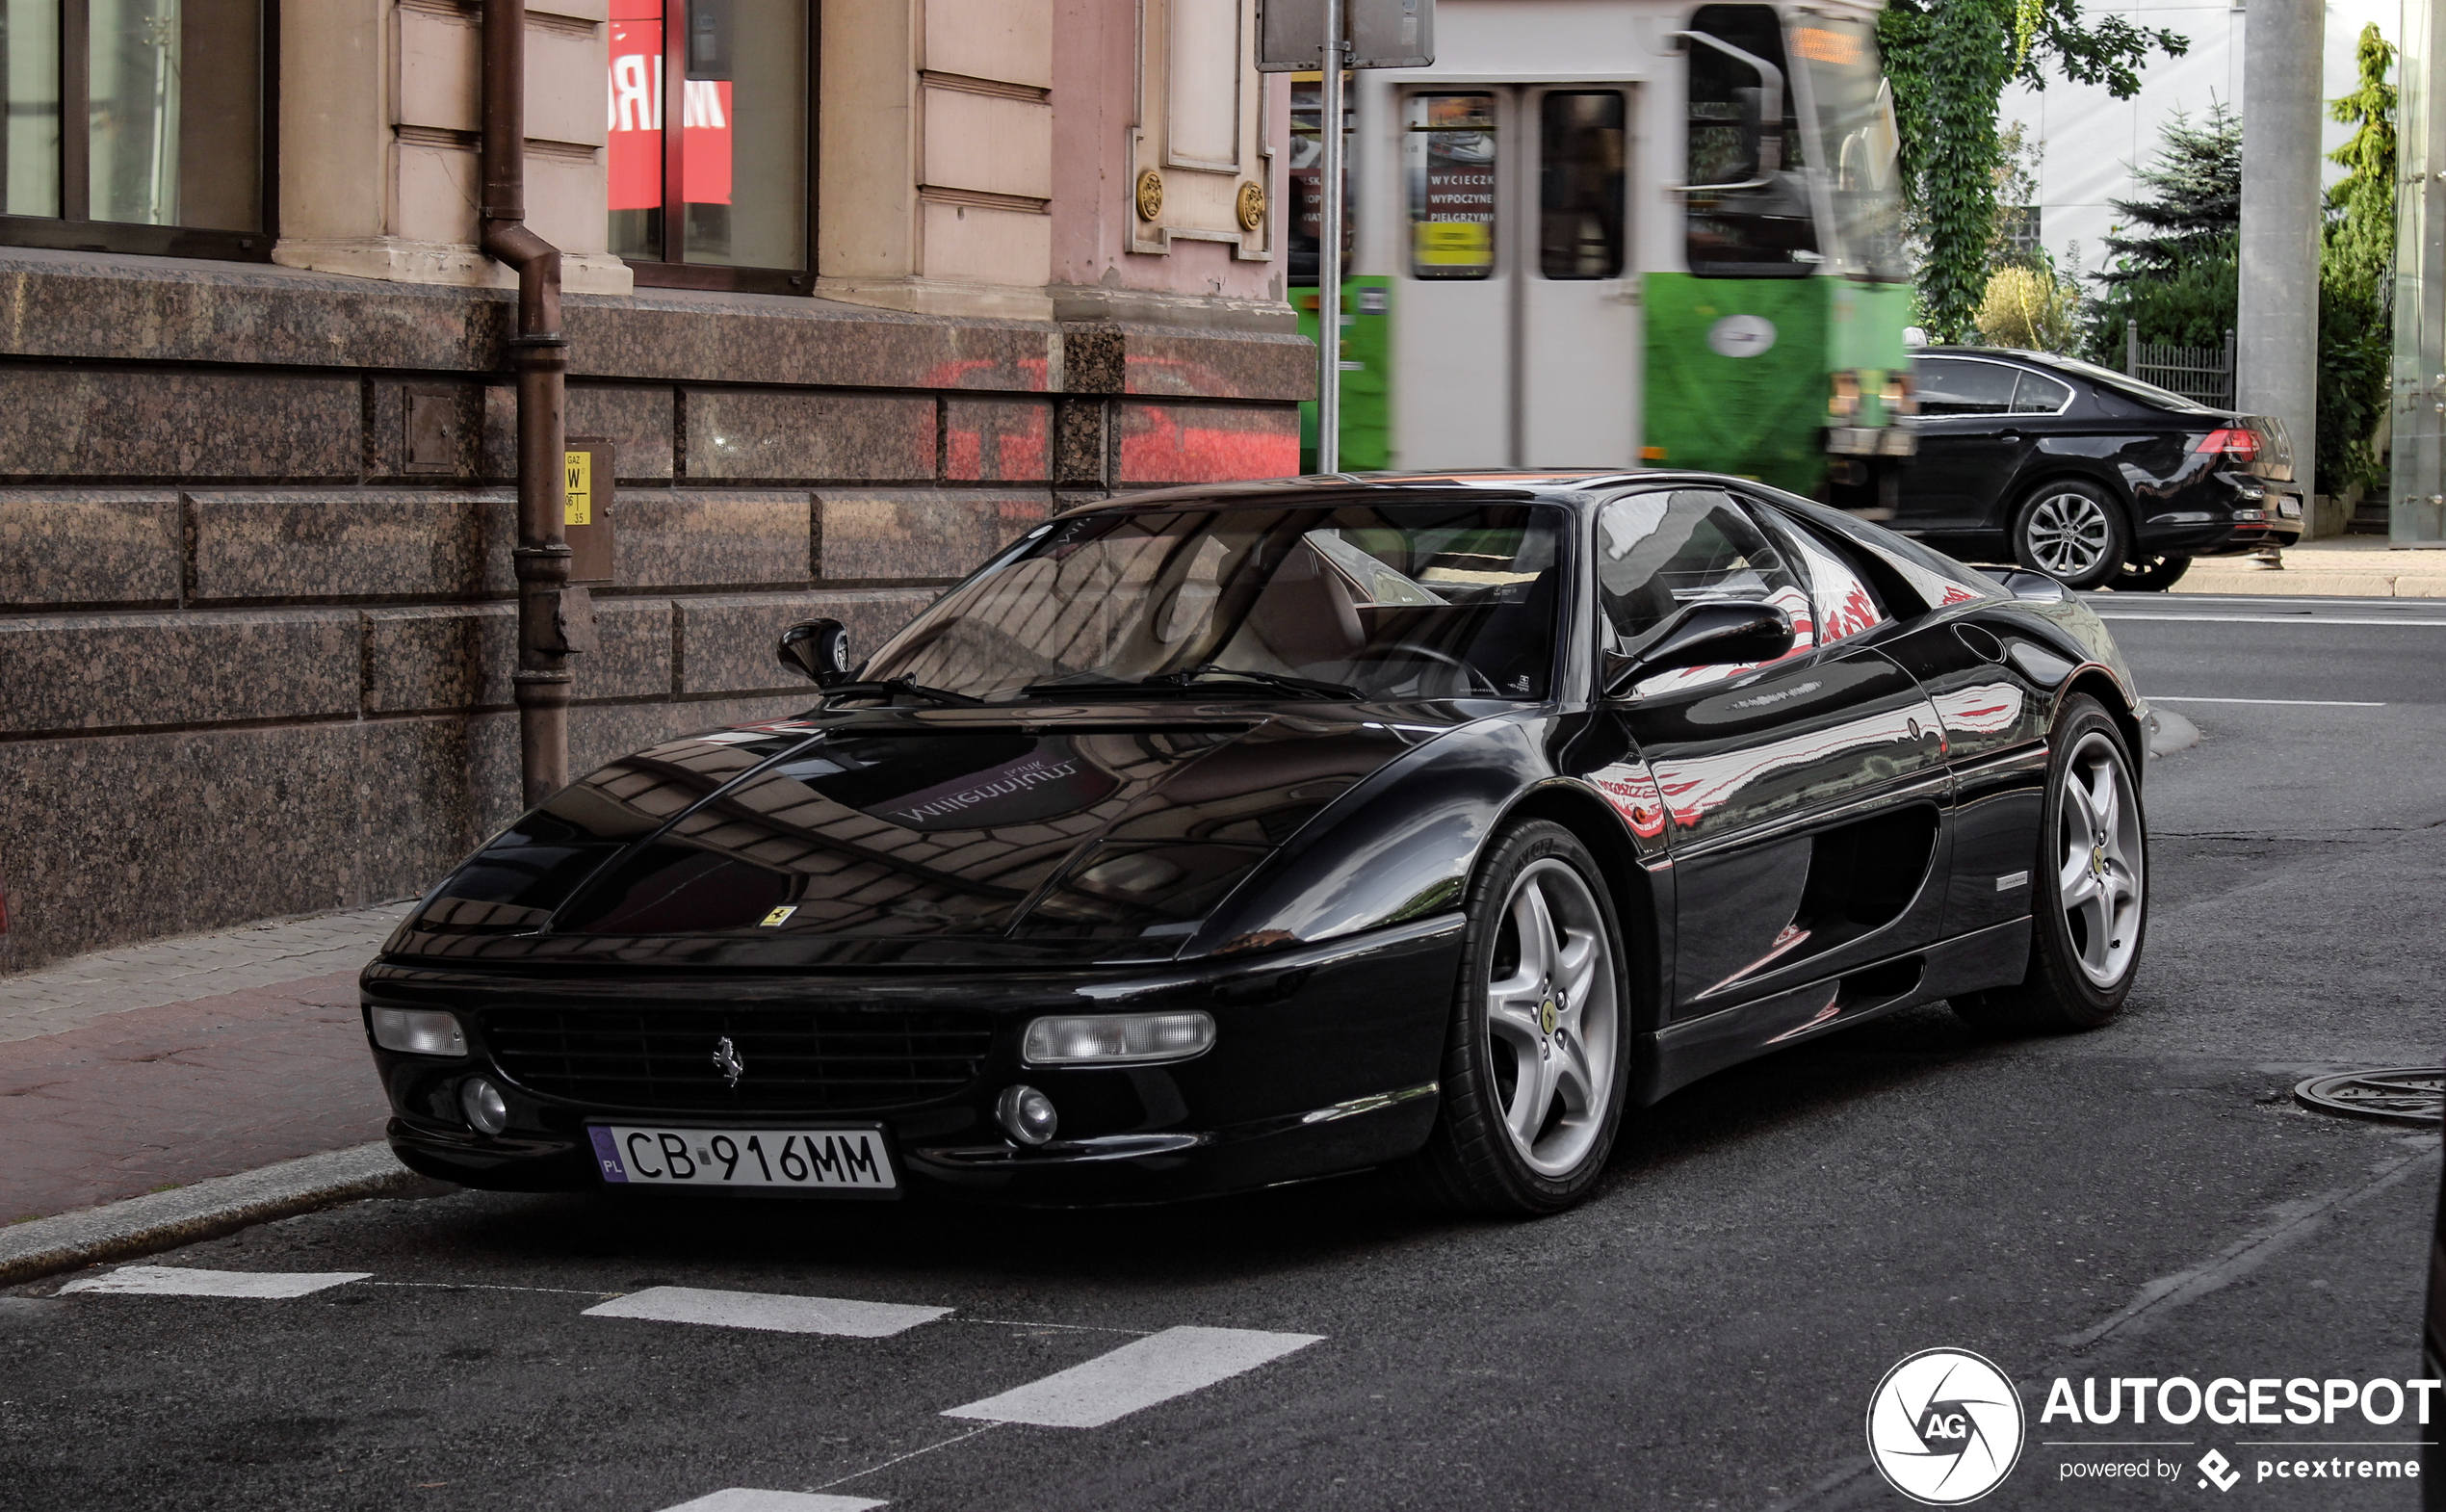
1971, 445
1802, 800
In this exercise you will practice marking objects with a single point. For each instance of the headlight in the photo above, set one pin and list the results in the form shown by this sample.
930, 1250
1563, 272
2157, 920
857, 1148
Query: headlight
419, 1031
1117, 1039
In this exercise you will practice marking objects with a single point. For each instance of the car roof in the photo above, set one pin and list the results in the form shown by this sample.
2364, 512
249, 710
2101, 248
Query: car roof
1565, 486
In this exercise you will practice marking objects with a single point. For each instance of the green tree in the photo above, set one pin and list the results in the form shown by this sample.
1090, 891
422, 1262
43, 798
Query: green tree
1949, 61
2194, 205
2356, 264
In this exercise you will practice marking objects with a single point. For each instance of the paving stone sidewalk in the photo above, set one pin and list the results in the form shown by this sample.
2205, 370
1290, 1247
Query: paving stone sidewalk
132, 1070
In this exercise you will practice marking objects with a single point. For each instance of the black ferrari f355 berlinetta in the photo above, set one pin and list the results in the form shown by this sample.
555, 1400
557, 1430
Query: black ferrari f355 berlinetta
1235, 835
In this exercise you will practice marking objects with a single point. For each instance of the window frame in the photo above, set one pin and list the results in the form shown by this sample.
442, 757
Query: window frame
73, 231
669, 273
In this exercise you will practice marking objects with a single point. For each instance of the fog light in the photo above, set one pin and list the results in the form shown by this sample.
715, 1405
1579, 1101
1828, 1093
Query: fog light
1027, 1114
1117, 1039
418, 1031
480, 1101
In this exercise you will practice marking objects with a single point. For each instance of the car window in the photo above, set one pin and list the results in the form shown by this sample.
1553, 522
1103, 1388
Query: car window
1951, 386
1660, 550
1844, 602
2040, 395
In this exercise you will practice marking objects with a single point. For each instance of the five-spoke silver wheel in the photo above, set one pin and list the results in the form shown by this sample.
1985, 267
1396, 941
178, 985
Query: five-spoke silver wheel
2068, 534
1552, 1018
2099, 864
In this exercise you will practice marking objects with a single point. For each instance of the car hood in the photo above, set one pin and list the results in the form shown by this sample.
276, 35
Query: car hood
929, 837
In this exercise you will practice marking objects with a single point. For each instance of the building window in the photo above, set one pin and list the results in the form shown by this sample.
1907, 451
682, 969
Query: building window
175, 150
713, 195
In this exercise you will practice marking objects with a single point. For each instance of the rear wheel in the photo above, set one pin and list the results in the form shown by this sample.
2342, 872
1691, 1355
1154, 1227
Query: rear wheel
1534, 1061
2089, 890
2072, 532
2149, 574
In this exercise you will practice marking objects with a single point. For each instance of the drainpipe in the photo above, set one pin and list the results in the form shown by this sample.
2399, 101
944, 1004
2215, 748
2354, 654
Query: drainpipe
553, 619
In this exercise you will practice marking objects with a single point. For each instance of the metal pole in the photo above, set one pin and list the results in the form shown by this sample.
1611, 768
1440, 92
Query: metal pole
1329, 251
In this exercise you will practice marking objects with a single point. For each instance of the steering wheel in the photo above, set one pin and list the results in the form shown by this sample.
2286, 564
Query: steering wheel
1469, 675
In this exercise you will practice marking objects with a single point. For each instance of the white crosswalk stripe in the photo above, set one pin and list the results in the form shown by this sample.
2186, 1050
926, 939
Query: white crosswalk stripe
1136, 1375
177, 1281
738, 1499
769, 1311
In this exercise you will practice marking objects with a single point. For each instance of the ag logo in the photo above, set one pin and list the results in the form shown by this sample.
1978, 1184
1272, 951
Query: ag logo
1944, 1427
1741, 335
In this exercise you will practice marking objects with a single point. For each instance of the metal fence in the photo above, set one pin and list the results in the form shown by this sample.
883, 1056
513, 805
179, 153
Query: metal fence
2205, 373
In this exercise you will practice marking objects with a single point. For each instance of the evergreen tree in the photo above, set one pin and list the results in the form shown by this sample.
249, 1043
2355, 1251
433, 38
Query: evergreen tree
2356, 264
2193, 206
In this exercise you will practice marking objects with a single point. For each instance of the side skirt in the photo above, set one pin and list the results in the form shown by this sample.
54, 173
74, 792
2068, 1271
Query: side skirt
1680, 1053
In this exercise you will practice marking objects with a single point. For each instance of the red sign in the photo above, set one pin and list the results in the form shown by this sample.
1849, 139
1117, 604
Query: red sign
641, 61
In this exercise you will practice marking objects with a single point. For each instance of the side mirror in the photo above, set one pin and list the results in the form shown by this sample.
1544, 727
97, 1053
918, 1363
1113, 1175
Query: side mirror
818, 648
1705, 635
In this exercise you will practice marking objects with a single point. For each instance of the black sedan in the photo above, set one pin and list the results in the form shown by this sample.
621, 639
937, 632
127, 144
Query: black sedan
1229, 836
2087, 475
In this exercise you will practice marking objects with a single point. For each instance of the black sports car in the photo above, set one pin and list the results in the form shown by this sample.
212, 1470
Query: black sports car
2087, 475
1229, 836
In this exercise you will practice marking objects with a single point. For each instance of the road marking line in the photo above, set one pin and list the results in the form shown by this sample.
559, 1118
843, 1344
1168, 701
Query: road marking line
939, 1444
2277, 620
1154, 1370
740, 1499
2308, 703
178, 1280
783, 1315
485, 1286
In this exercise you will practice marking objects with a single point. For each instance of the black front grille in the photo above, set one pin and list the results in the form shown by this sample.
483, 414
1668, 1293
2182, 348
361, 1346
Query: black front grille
828, 1060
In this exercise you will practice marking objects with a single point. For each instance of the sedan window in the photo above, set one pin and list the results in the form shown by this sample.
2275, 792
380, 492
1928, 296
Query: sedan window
1950, 386
2040, 395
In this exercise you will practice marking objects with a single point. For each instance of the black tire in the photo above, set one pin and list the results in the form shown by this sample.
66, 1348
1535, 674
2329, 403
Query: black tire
2078, 976
2073, 531
1473, 1160
2149, 575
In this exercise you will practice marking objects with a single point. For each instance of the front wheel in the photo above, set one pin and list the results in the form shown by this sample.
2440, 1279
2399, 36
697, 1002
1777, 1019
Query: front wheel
1534, 1064
2149, 575
2089, 893
2072, 532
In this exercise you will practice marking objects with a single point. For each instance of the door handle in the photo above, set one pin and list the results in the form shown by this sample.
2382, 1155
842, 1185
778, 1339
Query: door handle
2009, 437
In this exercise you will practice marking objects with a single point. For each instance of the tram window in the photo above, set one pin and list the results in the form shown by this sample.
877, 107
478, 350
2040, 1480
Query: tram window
1579, 194
1748, 194
1447, 157
1308, 160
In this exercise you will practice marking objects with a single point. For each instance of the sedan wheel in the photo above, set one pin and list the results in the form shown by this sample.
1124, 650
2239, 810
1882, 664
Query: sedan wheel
1534, 1067
2149, 575
2072, 532
2089, 893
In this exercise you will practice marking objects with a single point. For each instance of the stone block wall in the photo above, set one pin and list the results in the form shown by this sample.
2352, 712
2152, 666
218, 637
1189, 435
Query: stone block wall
255, 624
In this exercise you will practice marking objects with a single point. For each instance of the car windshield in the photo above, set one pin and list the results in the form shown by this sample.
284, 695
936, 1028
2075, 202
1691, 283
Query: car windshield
1356, 602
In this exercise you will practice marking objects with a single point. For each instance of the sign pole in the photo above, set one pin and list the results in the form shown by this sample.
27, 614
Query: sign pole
1329, 189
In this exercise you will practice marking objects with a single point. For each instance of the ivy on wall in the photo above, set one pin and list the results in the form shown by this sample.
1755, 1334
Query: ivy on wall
1949, 61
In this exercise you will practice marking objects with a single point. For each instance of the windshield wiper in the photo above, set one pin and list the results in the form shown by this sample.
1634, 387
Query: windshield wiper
897, 684
1186, 682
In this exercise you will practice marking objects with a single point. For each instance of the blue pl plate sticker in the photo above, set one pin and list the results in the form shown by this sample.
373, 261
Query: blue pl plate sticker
609, 1152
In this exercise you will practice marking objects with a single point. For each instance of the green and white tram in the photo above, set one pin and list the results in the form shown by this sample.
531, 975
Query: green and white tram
1615, 232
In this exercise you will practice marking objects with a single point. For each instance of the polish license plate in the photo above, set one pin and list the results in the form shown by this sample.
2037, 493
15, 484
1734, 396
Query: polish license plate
842, 1159
2289, 507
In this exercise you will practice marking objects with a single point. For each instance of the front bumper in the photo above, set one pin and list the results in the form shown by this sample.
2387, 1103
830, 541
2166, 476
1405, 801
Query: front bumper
1325, 1060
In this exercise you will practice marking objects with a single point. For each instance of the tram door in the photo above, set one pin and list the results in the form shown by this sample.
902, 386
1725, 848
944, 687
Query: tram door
1519, 324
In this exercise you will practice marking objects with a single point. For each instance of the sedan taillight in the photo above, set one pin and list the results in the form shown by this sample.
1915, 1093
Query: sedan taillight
2240, 443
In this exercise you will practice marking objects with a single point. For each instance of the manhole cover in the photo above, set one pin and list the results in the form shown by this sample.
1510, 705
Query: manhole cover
2403, 1095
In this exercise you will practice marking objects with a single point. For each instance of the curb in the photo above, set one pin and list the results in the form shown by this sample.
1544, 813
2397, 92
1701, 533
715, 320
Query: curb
2170, 732
207, 1209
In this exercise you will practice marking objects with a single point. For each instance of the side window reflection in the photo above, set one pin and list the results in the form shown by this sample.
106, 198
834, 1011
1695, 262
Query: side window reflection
1658, 551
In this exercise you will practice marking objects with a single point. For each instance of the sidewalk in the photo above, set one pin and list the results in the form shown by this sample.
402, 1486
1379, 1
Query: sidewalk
2343, 566
134, 1070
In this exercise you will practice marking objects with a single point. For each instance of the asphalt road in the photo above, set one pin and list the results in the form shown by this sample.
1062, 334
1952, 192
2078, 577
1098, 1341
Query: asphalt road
1707, 1332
